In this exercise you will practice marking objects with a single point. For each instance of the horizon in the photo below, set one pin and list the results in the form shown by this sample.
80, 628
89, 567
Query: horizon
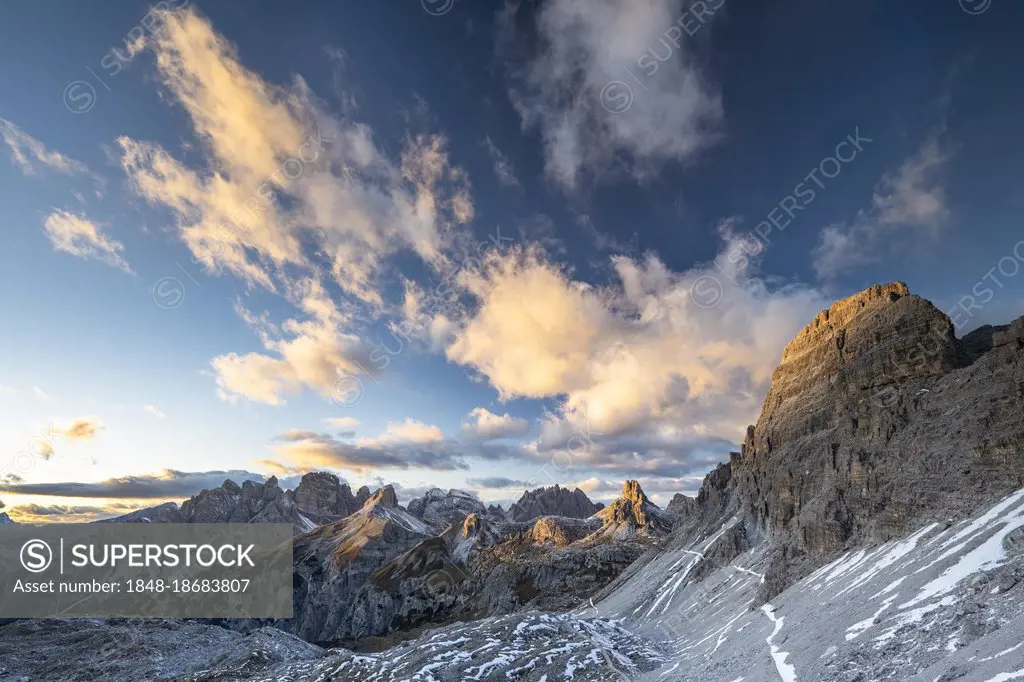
255, 241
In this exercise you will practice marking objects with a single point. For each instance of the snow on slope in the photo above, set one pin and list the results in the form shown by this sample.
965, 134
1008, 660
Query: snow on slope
944, 603
529, 646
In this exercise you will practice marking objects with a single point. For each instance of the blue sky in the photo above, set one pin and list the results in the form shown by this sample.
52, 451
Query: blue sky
475, 245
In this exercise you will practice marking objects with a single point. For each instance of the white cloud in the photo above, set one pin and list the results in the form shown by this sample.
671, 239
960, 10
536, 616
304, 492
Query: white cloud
645, 378
503, 168
281, 174
81, 237
482, 424
914, 196
155, 411
303, 354
39, 393
29, 154
587, 44
409, 431
907, 205
342, 422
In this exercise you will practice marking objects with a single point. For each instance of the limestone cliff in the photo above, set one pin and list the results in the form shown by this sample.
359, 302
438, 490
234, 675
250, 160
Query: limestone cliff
878, 418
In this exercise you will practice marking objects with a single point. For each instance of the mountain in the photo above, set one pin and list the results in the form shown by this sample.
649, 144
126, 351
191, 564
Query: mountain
319, 498
682, 506
878, 419
408, 575
333, 561
632, 514
441, 509
554, 501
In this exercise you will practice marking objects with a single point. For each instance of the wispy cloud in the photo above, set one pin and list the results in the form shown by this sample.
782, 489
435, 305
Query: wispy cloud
497, 483
585, 47
908, 204
84, 429
278, 173
503, 168
304, 451
155, 411
30, 155
342, 422
83, 238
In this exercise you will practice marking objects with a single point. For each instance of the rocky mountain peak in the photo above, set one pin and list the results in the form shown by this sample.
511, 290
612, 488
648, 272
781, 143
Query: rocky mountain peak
632, 491
877, 417
842, 312
553, 501
441, 508
633, 513
384, 498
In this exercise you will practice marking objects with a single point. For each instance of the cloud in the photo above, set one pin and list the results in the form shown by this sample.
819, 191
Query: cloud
39, 393
503, 168
82, 429
482, 424
306, 451
914, 195
59, 513
155, 411
312, 353
647, 378
342, 422
409, 431
587, 47
907, 204
168, 483
410, 444
81, 237
30, 155
287, 193
650, 485
496, 482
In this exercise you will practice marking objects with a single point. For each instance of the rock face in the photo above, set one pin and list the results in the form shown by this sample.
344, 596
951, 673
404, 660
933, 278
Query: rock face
322, 497
441, 509
878, 418
554, 501
633, 515
682, 506
332, 562
319, 498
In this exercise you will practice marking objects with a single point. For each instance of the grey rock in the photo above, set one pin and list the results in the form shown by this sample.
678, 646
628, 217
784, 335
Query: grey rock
440, 508
554, 501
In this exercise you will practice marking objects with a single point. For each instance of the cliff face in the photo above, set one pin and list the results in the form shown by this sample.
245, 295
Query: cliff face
877, 419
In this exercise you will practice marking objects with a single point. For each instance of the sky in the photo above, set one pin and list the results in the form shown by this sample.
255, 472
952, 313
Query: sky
489, 246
